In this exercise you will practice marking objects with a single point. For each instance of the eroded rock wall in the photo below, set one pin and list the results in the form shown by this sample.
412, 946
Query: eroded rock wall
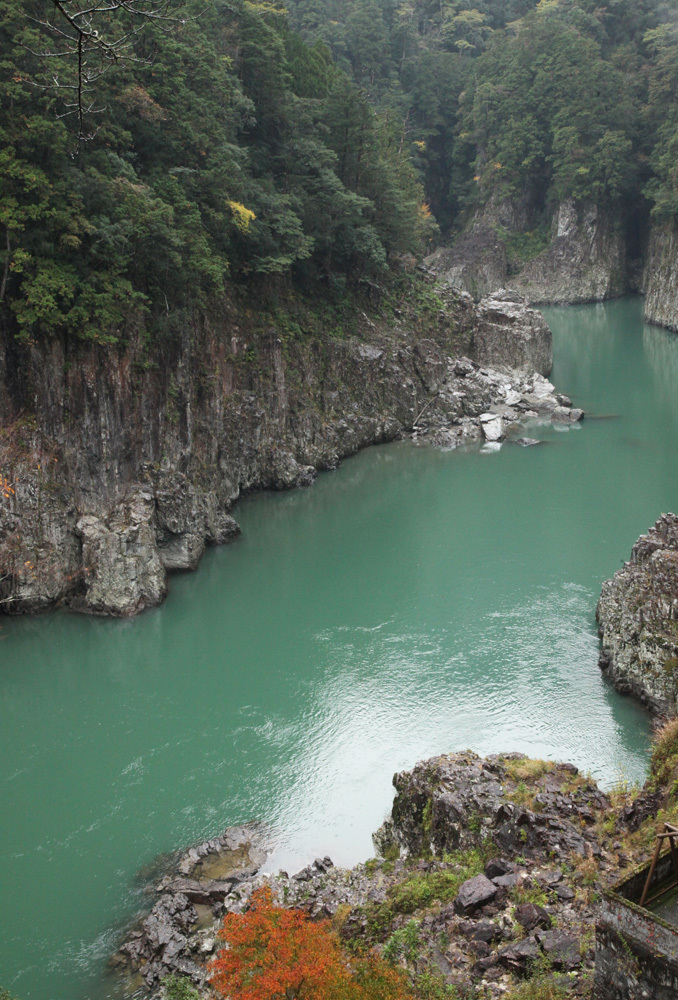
122, 464
638, 619
584, 262
660, 276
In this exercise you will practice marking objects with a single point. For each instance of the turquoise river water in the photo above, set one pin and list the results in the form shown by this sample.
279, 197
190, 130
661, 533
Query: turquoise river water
413, 602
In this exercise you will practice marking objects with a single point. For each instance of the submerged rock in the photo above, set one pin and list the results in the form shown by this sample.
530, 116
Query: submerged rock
637, 617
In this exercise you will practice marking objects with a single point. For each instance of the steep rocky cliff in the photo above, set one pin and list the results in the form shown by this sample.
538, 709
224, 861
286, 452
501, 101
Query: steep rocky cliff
477, 262
122, 464
638, 619
660, 276
584, 261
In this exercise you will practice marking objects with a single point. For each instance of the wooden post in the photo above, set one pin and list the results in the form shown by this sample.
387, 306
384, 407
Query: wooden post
674, 853
655, 859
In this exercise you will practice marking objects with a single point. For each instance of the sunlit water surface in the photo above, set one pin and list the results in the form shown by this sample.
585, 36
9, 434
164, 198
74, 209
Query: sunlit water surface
411, 603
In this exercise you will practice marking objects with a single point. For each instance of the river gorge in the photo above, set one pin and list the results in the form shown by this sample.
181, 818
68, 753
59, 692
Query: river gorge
414, 601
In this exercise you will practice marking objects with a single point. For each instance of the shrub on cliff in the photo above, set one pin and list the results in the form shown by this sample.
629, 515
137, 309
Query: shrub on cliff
665, 756
179, 988
274, 953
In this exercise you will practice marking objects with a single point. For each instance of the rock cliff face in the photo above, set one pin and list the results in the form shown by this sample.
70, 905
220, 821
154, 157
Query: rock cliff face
660, 277
638, 620
120, 465
584, 262
477, 262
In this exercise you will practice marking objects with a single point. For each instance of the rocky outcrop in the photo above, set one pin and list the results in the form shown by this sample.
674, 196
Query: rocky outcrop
453, 801
660, 276
585, 260
124, 571
447, 907
178, 935
129, 464
638, 620
512, 336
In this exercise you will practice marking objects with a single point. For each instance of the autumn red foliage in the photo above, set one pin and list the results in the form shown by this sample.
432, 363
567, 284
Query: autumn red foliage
273, 953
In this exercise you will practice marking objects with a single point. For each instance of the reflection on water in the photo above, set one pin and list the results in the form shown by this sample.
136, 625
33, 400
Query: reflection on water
660, 350
413, 602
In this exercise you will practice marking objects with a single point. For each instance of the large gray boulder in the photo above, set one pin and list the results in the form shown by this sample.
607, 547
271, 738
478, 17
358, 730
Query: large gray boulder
511, 336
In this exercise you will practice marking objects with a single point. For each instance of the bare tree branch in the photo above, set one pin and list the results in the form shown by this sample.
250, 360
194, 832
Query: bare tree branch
91, 39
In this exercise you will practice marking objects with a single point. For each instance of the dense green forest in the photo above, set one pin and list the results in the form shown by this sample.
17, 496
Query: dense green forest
239, 144
514, 98
225, 150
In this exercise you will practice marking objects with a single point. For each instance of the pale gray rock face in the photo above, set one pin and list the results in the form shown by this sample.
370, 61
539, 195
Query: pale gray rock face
121, 565
660, 277
638, 620
513, 336
584, 262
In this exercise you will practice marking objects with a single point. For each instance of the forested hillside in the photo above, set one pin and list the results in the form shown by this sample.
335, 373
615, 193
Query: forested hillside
222, 149
533, 101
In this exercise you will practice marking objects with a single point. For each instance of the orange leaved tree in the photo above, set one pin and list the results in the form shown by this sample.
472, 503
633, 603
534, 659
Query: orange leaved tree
274, 953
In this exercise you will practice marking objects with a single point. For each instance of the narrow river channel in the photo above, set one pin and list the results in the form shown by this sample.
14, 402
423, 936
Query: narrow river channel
413, 602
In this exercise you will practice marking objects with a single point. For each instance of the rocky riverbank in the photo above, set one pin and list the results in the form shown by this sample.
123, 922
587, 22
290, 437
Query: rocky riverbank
128, 465
487, 870
638, 620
